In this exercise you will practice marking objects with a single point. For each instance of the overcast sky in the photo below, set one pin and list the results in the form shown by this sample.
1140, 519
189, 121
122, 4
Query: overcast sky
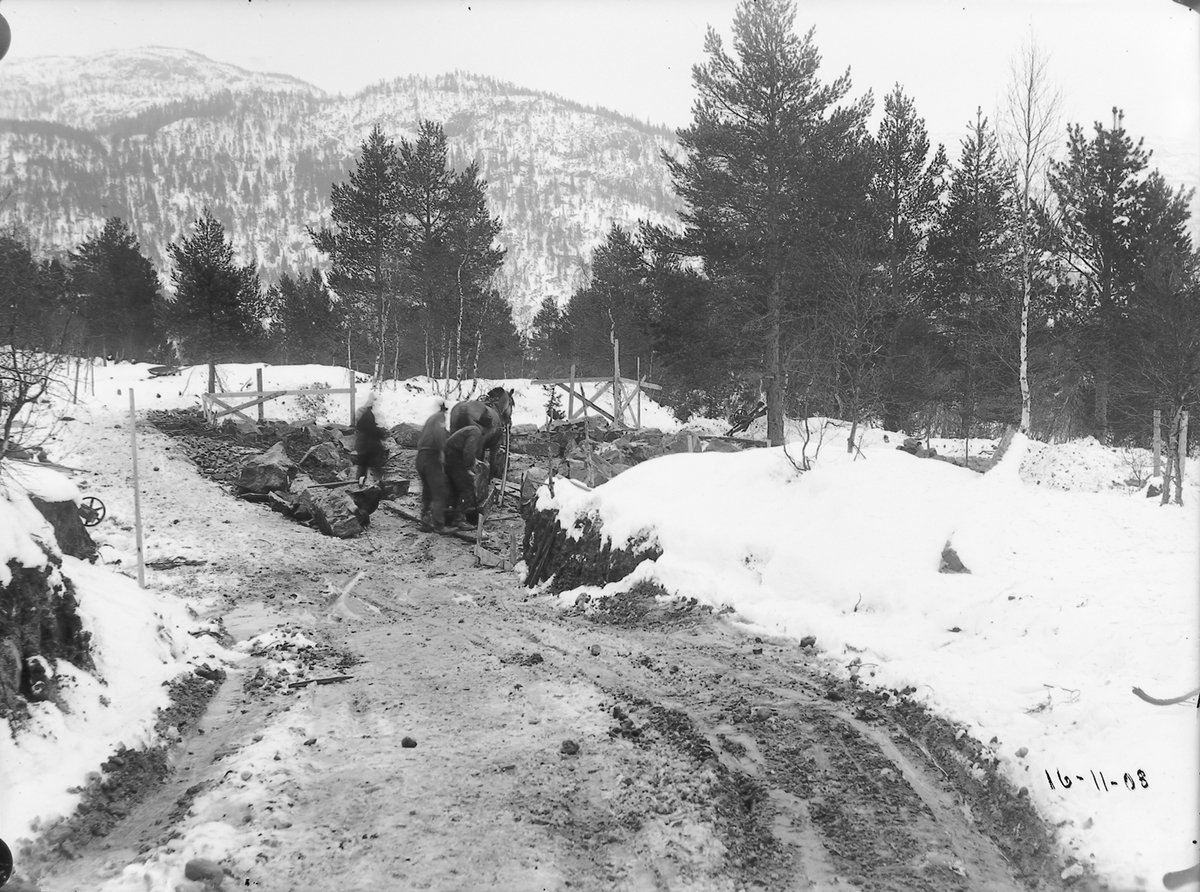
635, 56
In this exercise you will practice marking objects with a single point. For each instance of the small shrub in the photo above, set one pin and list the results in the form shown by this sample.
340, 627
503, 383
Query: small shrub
313, 406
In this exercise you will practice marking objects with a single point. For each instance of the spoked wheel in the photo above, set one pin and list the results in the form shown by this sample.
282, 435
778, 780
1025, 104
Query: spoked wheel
91, 511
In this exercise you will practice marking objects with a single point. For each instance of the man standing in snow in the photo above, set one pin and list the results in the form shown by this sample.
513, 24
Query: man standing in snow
462, 450
431, 468
368, 442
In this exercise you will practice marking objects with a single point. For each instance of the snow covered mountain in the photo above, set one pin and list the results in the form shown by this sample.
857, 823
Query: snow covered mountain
155, 135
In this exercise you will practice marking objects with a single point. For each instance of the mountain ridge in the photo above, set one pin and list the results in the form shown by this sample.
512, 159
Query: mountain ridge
183, 133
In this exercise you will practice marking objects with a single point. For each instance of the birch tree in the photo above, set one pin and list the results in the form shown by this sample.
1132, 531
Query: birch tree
1030, 127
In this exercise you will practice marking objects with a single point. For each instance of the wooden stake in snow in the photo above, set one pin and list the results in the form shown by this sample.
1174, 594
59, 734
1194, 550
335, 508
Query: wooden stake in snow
137, 500
618, 409
258, 378
571, 398
1179, 462
639, 393
1157, 441
338, 608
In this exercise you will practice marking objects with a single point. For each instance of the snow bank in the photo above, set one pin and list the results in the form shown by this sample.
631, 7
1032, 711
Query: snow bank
1072, 599
139, 640
22, 527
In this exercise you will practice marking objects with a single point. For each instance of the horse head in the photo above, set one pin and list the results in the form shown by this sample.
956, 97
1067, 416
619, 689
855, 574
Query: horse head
502, 401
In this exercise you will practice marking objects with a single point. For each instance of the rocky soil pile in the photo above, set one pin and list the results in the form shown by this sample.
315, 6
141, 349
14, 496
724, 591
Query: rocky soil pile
590, 452
301, 469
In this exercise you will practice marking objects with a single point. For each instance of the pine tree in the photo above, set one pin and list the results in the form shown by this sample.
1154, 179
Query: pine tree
117, 290
218, 307
365, 250
769, 160
905, 189
971, 267
1099, 189
448, 238
905, 193
617, 303
1159, 350
548, 341
308, 324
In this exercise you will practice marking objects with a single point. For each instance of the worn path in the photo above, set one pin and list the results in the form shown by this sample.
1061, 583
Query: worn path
643, 746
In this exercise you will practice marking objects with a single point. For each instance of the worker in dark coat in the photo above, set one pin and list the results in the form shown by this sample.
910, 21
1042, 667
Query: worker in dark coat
431, 468
368, 442
462, 450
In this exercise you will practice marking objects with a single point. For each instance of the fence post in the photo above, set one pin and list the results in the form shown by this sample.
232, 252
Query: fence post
618, 413
639, 393
571, 395
137, 499
353, 388
258, 378
1157, 441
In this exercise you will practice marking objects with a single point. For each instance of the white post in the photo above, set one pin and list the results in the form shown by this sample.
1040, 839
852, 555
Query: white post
618, 412
639, 393
137, 501
1157, 441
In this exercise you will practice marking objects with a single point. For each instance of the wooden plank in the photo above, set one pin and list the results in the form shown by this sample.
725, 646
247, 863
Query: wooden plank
229, 410
571, 398
549, 382
408, 515
233, 394
238, 408
47, 464
589, 402
488, 559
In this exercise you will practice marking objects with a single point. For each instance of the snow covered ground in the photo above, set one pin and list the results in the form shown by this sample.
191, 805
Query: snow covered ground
411, 400
1079, 590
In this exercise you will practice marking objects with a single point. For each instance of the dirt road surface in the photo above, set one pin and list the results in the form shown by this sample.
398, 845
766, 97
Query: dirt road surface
634, 745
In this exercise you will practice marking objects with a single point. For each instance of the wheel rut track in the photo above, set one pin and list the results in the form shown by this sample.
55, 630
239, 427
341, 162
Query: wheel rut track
842, 798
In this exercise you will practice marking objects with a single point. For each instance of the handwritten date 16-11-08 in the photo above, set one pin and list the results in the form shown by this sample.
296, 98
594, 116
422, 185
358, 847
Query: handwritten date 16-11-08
1101, 783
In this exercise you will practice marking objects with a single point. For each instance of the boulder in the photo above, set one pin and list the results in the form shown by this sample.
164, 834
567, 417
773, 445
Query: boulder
326, 455
531, 483
394, 487
72, 535
950, 561
333, 511
643, 451
40, 626
523, 430
406, 435
204, 870
722, 444
270, 472
536, 448
684, 441
366, 498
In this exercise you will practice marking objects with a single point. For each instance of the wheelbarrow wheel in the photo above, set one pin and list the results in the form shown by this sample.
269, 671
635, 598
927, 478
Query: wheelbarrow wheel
92, 511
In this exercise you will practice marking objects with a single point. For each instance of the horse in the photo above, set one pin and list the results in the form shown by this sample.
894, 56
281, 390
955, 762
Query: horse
497, 405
